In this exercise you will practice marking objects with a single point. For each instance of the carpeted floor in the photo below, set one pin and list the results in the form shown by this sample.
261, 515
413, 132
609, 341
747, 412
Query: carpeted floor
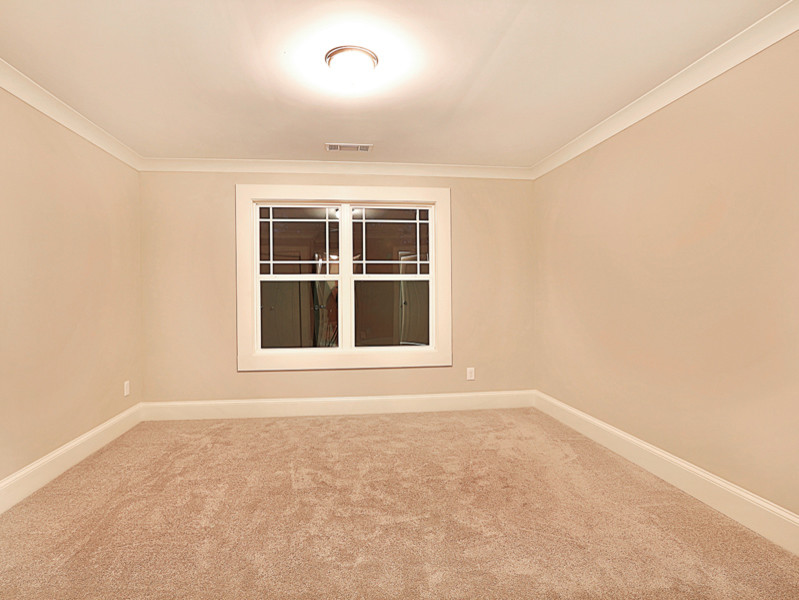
484, 504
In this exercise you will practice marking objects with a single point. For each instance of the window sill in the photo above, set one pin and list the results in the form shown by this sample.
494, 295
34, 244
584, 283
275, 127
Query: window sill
298, 359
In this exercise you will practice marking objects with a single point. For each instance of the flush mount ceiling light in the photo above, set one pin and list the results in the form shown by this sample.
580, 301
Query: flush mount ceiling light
319, 56
351, 62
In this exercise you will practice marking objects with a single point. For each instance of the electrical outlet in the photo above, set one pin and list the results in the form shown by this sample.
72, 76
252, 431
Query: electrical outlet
126, 388
469, 373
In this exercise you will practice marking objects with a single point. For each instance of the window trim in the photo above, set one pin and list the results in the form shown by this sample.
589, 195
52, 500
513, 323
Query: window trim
252, 358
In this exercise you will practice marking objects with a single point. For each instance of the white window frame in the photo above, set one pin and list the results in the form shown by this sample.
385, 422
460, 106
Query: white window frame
347, 356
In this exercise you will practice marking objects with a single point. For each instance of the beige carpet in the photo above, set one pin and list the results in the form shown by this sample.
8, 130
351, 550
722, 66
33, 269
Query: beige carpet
488, 504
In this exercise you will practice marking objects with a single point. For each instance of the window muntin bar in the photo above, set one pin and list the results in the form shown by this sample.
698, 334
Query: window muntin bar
293, 237
387, 262
298, 258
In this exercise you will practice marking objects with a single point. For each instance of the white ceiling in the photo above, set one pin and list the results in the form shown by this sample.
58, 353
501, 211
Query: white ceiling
464, 82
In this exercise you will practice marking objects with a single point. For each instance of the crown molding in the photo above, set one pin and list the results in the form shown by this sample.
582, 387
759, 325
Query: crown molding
769, 30
30, 92
324, 167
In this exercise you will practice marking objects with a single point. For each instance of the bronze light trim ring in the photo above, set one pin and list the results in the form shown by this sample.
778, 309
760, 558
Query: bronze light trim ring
340, 49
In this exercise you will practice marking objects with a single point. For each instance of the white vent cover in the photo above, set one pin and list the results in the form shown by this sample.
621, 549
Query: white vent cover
337, 147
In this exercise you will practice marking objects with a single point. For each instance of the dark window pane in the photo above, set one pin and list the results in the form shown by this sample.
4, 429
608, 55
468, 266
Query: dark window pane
357, 214
357, 268
298, 241
298, 268
357, 241
333, 267
424, 268
298, 213
333, 233
299, 314
390, 241
424, 241
265, 269
377, 268
264, 241
392, 313
424, 215
264, 212
393, 214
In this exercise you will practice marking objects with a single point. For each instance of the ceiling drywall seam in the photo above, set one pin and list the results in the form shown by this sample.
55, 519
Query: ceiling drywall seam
769, 30
32, 93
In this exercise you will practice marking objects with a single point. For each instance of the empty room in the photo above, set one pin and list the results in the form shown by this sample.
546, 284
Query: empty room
444, 299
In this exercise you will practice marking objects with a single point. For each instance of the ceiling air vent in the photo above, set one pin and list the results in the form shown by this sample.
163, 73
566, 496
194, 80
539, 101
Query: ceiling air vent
335, 147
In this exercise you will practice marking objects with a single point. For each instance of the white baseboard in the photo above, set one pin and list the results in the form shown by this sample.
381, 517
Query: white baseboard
27, 480
758, 514
773, 522
311, 407
19, 485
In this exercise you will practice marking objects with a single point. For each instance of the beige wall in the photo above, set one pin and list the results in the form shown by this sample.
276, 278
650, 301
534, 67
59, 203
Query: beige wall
660, 268
69, 290
667, 279
189, 266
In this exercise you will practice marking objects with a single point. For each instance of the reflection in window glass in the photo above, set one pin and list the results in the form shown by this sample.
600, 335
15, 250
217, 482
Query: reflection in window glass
391, 214
264, 241
314, 268
333, 241
313, 245
299, 314
400, 268
390, 241
299, 213
392, 313
357, 241
424, 241
305, 241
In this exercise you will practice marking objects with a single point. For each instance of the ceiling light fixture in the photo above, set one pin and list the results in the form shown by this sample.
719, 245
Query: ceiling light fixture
312, 55
351, 62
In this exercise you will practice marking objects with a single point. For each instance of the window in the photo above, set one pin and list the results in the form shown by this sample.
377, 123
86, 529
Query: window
333, 277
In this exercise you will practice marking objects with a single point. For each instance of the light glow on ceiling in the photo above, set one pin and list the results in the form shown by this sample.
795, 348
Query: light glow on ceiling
305, 56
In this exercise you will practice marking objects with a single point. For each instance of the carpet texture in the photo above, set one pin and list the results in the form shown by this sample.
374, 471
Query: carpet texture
483, 504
